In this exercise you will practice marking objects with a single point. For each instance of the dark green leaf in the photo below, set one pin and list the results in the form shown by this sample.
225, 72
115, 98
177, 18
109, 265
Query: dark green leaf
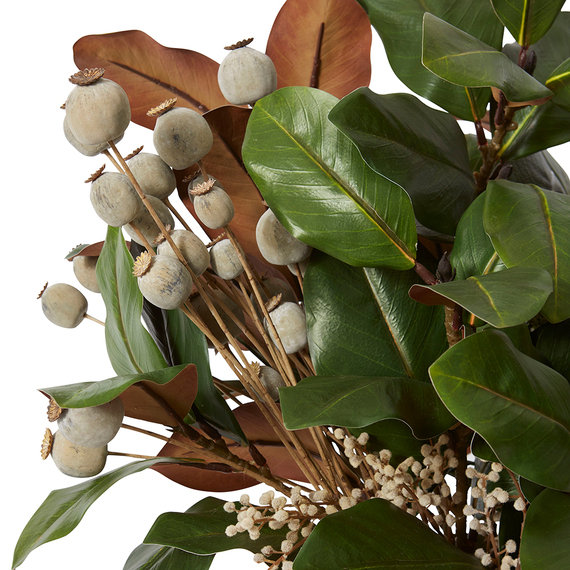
521, 338
481, 449
541, 169
504, 299
154, 557
344, 541
511, 520
189, 345
362, 322
86, 394
399, 23
354, 401
527, 20
544, 542
530, 490
554, 342
559, 84
63, 509
518, 405
510, 210
462, 59
129, 345
415, 146
202, 530
320, 188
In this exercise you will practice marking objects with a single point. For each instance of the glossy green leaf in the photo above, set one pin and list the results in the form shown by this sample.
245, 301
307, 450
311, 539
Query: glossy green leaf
189, 345
344, 541
399, 24
518, 405
462, 59
130, 348
355, 401
86, 394
530, 490
544, 542
527, 20
202, 530
421, 149
504, 299
541, 169
154, 557
559, 84
473, 252
63, 509
510, 210
554, 342
361, 321
320, 188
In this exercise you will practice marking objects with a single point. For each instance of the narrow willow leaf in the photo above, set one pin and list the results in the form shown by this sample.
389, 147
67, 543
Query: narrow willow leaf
354, 401
154, 557
362, 322
462, 59
399, 24
510, 210
544, 542
559, 84
527, 20
202, 530
130, 348
504, 299
319, 186
421, 149
63, 509
343, 541
518, 405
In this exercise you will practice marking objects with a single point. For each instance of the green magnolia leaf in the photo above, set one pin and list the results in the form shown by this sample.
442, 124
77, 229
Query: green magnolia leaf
554, 342
189, 345
344, 541
202, 530
320, 188
510, 210
359, 321
354, 401
419, 148
504, 299
559, 84
530, 490
63, 509
544, 542
462, 59
518, 405
541, 169
129, 345
399, 24
154, 557
527, 20
86, 394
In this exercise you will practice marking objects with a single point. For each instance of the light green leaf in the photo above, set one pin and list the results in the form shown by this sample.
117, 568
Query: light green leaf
510, 210
527, 20
544, 542
504, 299
154, 557
129, 345
63, 509
518, 405
462, 59
399, 24
344, 541
320, 188
421, 149
354, 401
559, 84
362, 322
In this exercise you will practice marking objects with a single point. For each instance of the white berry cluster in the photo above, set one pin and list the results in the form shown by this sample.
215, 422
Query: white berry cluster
484, 519
297, 513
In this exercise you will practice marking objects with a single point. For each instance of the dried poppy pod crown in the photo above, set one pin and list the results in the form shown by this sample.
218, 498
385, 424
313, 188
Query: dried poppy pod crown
87, 76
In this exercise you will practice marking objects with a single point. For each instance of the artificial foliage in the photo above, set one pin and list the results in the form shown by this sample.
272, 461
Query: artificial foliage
422, 417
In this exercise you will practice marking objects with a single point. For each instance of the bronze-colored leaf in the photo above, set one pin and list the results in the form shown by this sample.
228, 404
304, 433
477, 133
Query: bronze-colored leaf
257, 431
323, 44
180, 393
150, 72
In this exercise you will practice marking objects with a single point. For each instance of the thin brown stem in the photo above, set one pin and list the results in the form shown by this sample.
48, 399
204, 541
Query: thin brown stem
177, 214
89, 317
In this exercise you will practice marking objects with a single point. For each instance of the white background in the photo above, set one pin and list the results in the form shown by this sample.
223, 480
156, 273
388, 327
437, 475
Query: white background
47, 211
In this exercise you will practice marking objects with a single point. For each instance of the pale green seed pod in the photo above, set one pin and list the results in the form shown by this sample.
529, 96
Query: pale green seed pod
225, 261
146, 224
291, 326
191, 247
115, 199
213, 206
154, 176
76, 460
84, 268
64, 305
